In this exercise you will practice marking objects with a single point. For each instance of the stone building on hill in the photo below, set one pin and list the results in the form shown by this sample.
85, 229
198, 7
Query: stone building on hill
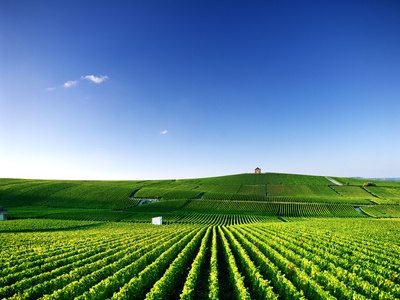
257, 170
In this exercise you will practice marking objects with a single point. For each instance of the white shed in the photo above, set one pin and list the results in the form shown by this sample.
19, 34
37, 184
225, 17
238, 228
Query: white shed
156, 221
3, 214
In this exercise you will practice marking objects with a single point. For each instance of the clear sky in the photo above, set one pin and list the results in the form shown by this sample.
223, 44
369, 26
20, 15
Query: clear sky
182, 89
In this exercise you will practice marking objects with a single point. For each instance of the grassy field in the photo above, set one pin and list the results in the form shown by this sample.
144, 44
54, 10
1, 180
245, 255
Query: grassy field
245, 236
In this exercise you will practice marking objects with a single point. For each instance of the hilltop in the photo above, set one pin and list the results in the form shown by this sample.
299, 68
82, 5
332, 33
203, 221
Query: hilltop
262, 195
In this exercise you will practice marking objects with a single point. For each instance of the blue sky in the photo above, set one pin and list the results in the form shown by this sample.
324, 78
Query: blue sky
183, 89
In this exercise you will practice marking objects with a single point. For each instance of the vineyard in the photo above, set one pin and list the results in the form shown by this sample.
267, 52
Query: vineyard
270, 194
317, 259
245, 236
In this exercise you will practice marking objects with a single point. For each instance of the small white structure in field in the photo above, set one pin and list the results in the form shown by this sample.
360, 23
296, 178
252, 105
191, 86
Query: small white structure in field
156, 221
3, 214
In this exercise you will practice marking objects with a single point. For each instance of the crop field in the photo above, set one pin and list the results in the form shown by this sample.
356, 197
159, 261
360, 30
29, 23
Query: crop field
305, 193
385, 195
382, 211
245, 236
58, 193
352, 192
361, 181
265, 179
280, 195
121, 195
309, 259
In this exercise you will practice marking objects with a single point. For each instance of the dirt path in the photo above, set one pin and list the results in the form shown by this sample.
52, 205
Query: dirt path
333, 181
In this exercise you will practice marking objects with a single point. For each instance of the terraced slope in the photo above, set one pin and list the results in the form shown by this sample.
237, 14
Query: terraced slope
282, 195
71, 194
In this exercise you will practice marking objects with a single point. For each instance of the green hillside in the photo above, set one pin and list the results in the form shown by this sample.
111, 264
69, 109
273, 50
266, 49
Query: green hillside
71, 194
246, 236
264, 195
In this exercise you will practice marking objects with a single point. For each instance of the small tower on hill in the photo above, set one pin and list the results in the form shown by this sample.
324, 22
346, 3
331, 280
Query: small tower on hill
257, 170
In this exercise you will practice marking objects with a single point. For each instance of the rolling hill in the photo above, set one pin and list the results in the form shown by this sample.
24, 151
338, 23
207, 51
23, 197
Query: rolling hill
224, 238
266, 195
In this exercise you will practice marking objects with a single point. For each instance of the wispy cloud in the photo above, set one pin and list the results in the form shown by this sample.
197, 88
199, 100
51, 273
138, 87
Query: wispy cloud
71, 83
95, 79
164, 132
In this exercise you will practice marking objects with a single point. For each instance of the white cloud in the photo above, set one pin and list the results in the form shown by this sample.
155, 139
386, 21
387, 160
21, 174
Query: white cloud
164, 132
71, 83
95, 79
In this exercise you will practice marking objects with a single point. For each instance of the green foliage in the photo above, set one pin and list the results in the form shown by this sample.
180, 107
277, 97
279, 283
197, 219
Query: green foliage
213, 293
356, 194
265, 179
163, 288
235, 277
32, 225
57, 193
225, 200
192, 278
314, 255
385, 195
302, 192
262, 288
361, 181
314, 259
382, 211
